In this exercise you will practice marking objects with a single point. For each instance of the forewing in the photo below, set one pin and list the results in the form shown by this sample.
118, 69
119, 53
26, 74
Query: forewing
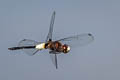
27, 42
49, 36
78, 40
54, 59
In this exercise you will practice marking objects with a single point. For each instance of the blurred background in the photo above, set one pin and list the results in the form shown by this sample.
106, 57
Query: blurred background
30, 19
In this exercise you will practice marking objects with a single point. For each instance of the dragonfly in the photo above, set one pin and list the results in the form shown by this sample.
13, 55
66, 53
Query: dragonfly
55, 47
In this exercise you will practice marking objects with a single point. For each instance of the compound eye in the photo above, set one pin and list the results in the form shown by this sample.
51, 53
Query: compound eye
66, 48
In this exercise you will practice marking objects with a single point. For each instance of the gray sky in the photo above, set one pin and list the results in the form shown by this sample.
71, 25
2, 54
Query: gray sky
30, 19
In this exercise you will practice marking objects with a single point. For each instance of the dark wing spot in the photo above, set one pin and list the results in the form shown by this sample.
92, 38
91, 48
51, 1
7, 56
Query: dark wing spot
24, 39
89, 34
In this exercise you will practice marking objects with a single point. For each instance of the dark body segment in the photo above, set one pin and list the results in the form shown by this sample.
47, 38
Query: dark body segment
22, 47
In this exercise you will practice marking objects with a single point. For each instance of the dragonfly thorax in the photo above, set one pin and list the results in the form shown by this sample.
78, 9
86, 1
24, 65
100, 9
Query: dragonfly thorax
57, 47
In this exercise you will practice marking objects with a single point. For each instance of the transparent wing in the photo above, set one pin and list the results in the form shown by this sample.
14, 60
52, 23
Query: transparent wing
49, 36
53, 57
27, 42
78, 40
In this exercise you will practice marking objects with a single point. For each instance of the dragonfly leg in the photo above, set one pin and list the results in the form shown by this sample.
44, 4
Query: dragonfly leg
54, 52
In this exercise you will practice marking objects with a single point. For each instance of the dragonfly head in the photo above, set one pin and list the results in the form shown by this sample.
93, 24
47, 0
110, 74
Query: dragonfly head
66, 48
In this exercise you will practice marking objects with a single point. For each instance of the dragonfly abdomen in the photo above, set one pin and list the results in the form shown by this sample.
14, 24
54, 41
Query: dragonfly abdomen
22, 47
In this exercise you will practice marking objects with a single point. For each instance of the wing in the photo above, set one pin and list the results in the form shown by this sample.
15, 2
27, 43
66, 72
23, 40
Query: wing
78, 40
27, 42
49, 36
54, 59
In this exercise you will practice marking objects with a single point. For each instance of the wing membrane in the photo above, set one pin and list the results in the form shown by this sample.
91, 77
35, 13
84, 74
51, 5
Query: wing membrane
49, 36
78, 40
54, 59
27, 42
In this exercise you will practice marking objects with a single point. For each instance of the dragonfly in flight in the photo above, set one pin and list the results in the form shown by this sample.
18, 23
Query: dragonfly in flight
61, 46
